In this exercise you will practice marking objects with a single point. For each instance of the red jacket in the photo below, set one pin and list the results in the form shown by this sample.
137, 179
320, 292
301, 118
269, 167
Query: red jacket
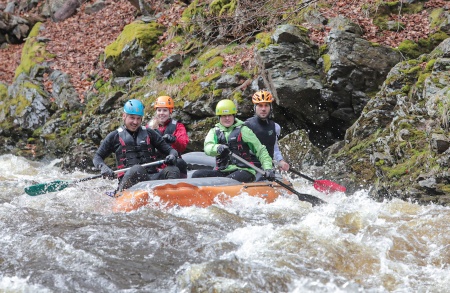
180, 133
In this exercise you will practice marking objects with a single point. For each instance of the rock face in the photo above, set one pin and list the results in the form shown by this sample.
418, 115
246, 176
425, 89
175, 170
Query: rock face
400, 143
351, 111
133, 49
326, 94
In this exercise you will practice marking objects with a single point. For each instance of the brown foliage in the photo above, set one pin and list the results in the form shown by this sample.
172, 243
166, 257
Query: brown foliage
78, 41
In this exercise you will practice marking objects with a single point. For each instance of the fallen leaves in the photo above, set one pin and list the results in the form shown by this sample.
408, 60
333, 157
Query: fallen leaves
79, 41
415, 26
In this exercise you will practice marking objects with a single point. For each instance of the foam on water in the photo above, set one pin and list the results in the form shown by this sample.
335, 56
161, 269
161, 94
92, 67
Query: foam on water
351, 244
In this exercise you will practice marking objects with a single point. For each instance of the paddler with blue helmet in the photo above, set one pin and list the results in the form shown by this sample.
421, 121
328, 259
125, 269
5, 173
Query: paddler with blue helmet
133, 145
231, 135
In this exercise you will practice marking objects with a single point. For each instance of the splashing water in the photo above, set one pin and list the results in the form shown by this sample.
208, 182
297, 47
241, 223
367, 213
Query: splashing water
71, 241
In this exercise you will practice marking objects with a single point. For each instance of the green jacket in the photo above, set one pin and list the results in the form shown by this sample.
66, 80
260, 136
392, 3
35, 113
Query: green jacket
248, 137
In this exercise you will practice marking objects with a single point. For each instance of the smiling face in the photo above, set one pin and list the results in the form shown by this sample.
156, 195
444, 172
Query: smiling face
262, 110
162, 115
132, 122
226, 120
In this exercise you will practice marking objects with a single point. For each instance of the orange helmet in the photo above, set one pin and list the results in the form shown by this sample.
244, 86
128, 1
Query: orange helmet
164, 102
262, 97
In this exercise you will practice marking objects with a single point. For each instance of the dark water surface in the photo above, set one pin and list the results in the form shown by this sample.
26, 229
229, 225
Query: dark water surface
71, 241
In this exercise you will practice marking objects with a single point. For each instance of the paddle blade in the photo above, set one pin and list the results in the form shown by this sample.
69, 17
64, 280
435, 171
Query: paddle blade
328, 186
46, 187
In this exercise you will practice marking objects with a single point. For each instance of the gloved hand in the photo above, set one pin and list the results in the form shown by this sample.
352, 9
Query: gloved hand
223, 150
170, 160
169, 138
106, 171
269, 174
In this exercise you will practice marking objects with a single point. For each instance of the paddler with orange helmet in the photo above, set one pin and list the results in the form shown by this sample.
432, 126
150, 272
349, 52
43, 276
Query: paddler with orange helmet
172, 131
265, 128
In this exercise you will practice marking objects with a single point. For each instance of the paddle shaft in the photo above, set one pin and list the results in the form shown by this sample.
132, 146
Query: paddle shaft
60, 185
300, 174
156, 163
301, 196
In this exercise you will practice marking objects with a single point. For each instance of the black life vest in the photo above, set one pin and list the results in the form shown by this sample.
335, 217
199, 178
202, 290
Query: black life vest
237, 146
170, 128
134, 151
265, 131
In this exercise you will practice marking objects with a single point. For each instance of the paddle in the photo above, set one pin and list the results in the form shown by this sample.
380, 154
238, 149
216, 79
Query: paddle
301, 196
325, 186
60, 185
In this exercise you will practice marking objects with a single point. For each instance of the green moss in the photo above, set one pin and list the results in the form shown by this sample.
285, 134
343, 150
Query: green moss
326, 63
416, 159
33, 52
411, 8
210, 54
412, 70
413, 62
194, 90
421, 79
219, 7
194, 11
237, 69
409, 48
381, 20
146, 35
391, 3
428, 44
237, 96
322, 49
406, 88
214, 63
429, 66
217, 92
20, 102
51, 136
445, 188
37, 132
437, 17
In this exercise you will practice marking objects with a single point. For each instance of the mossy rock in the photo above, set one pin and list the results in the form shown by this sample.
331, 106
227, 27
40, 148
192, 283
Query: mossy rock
132, 50
33, 53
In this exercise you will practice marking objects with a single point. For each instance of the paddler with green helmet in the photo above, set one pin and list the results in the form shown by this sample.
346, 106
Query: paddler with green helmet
230, 135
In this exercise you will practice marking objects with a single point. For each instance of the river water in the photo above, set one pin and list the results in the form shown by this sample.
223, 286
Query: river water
70, 241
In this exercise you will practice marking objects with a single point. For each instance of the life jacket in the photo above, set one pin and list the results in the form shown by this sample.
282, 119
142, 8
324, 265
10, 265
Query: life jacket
265, 131
170, 128
132, 152
238, 147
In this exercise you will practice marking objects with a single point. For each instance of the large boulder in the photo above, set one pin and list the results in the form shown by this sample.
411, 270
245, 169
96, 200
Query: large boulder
132, 50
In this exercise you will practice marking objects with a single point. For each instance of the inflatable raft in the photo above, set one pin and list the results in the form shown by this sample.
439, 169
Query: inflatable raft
201, 192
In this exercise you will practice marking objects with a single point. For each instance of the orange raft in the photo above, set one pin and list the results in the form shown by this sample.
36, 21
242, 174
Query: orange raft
201, 192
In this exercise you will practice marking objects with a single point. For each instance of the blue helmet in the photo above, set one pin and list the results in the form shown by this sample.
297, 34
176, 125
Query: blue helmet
134, 107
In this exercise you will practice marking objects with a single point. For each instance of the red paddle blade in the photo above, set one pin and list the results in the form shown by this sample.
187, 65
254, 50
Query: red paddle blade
328, 186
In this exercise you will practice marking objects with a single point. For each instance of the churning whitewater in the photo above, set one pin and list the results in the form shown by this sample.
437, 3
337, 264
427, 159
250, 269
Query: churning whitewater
71, 241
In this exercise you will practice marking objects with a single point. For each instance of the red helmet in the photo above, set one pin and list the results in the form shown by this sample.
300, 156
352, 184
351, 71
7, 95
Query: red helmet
164, 102
262, 97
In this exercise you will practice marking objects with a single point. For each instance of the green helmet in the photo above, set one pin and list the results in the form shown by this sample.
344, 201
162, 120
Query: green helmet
225, 107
